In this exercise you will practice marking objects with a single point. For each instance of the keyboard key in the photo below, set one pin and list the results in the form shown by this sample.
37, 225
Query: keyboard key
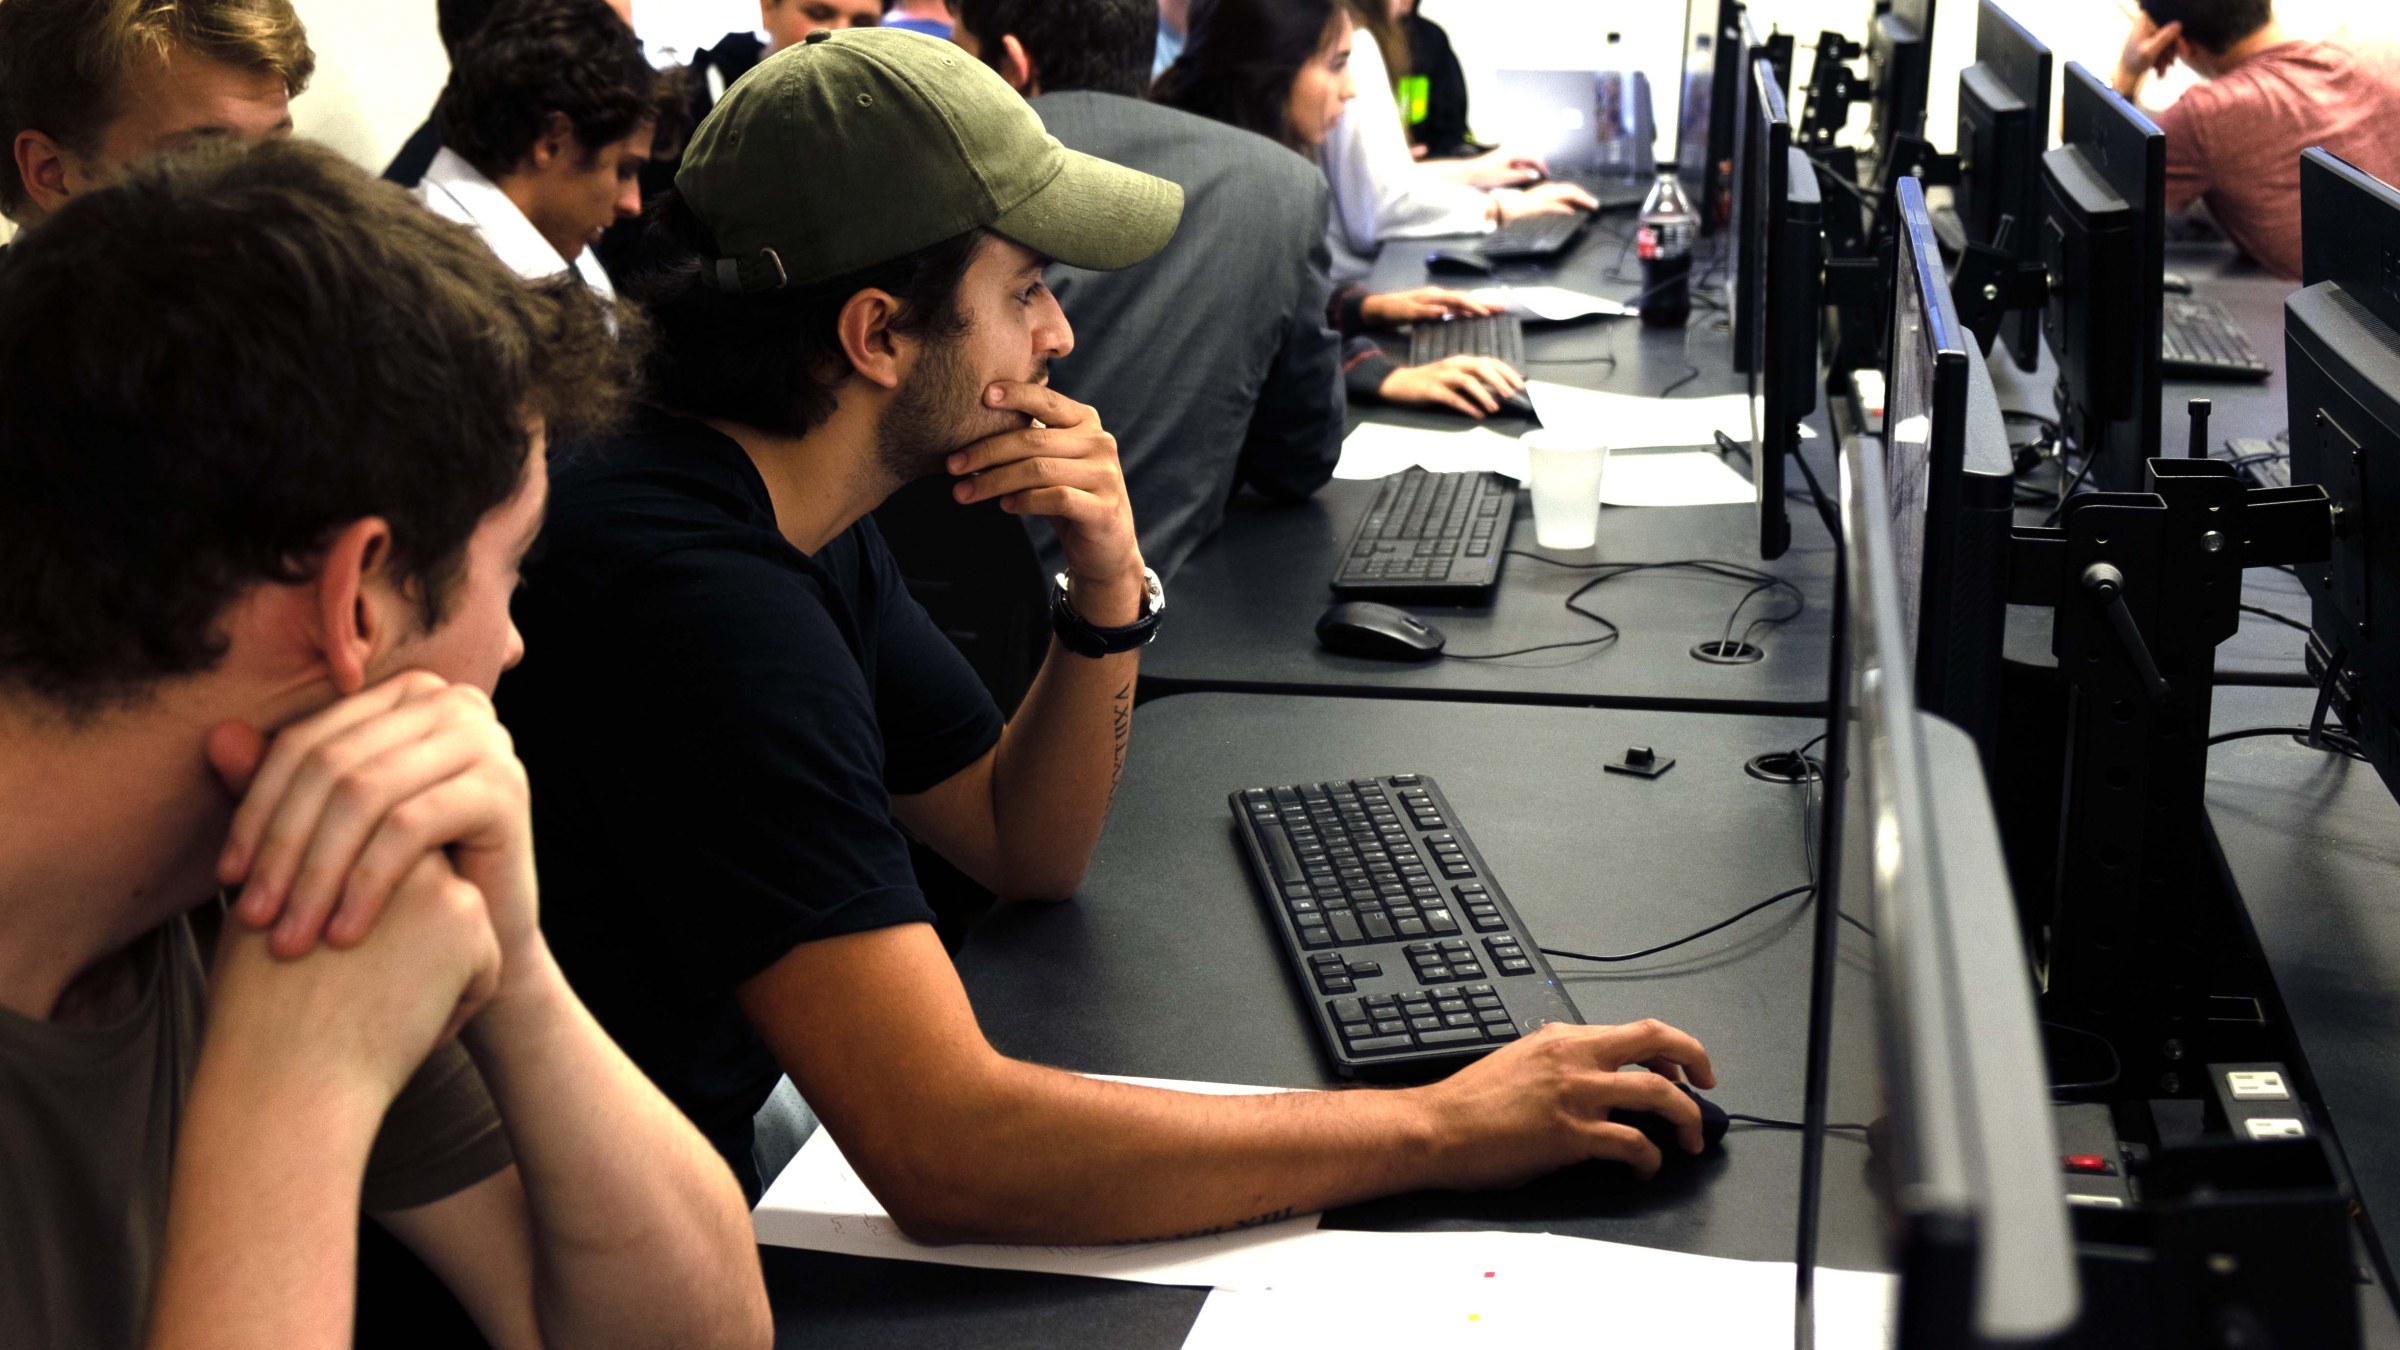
1491, 1015
1345, 929
1425, 1024
1451, 1036
1378, 926
1458, 1019
1376, 1045
1391, 1026
1348, 1010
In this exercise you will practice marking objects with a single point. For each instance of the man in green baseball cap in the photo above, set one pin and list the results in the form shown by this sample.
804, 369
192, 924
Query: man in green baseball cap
736, 718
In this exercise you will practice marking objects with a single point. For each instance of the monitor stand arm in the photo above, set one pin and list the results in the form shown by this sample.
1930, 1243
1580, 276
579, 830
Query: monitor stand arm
1991, 282
2144, 587
1832, 87
2144, 945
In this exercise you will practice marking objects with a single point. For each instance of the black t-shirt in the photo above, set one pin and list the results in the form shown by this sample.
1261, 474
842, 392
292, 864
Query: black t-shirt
715, 723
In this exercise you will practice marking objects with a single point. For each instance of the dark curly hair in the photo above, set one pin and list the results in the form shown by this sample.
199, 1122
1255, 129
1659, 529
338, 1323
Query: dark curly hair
531, 59
219, 363
2214, 24
1240, 59
770, 359
1105, 45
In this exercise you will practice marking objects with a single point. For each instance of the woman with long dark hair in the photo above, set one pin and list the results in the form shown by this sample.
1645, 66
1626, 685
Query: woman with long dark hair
1267, 65
1281, 68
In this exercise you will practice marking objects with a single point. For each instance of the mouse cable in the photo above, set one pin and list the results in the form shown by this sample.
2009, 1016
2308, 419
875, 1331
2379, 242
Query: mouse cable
1772, 1123
1610, 572
1778, 898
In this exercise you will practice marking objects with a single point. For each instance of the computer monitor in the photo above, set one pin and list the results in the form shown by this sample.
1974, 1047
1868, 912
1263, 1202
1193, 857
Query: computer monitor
2104, 190
2341, 335
1958, 1146
1783, 365
1953, 487
1899, 70
2003, 127
1713, 70
1741, 287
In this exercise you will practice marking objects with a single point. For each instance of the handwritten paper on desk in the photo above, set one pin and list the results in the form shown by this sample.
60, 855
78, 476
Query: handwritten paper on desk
1631, 422
1554, 304
1379, 450
1671, 478
1534, 1290
818, 1202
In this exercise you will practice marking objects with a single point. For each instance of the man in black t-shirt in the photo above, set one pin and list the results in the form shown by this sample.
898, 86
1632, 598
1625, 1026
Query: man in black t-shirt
731, 709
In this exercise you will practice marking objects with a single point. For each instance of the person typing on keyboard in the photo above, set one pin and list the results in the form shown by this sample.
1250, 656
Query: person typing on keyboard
734, 714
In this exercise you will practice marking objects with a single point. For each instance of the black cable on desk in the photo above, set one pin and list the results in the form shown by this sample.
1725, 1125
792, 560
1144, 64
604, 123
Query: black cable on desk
2285, 619
1773, 1124
2116, 1066
1613, 570
1816, 493
2338, 742
1775, 899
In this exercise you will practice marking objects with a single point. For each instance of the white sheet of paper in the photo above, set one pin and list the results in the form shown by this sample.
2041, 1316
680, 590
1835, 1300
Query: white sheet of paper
1672, 478
1533, 1290
1379, 450
1628, 422
1553, 303
818, 1202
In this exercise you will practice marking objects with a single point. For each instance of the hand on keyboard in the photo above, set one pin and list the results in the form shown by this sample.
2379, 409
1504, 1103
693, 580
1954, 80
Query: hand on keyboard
1542, 1103
1395, 308
1474, 385
1542, 197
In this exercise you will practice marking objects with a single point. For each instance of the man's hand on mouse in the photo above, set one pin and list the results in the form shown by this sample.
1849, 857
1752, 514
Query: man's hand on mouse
1544, 1102
1473, 385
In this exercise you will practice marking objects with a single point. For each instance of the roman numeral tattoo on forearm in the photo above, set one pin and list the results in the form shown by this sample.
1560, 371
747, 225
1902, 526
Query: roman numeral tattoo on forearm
1121, 715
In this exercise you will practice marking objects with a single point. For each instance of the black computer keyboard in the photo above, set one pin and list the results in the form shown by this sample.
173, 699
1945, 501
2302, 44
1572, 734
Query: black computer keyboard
1499, 336
2202, 342
1430, 537
1409, 956
1536, 236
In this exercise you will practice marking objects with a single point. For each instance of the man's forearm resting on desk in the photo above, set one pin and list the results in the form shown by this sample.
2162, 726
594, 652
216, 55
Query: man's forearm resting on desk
961, 1143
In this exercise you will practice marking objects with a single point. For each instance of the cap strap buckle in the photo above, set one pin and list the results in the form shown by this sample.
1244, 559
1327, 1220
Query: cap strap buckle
761, 271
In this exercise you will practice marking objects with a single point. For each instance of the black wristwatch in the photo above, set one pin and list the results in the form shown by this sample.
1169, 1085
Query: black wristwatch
1083, 639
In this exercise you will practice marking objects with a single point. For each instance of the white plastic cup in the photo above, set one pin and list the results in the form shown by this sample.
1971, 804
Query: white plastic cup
1566, 467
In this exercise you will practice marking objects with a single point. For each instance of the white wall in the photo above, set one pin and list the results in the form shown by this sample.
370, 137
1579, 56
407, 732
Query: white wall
379, 68
1493, 35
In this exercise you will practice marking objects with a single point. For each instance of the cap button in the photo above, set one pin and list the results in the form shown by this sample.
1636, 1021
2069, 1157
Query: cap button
819, 35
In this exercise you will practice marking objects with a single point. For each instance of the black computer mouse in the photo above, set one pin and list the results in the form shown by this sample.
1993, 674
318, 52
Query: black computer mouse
1658, 1130
1458, 260
1383, 632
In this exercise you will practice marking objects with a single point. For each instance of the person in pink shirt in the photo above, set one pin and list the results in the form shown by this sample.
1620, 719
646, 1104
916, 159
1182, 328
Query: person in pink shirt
2234, 140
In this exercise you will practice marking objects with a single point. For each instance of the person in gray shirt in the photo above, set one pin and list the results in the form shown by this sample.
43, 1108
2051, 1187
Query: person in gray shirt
1218, 368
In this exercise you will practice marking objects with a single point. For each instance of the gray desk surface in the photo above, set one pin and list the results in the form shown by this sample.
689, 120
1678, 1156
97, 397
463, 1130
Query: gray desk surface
2313, 842
1163, 966
1244, 608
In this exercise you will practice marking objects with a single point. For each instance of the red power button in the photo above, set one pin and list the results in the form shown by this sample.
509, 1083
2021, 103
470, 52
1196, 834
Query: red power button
2087, 1162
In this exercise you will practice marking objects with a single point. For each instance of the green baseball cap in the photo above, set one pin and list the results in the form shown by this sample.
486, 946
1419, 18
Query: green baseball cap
859, 146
